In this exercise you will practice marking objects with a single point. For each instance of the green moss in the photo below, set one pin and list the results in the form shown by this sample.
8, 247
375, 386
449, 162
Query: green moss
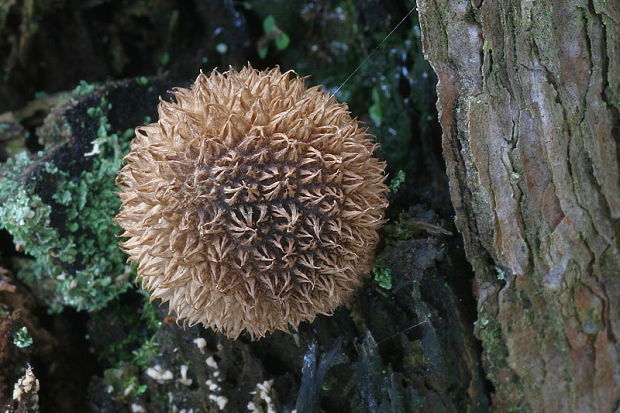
124, 380
136, 348
137, 343
147, 351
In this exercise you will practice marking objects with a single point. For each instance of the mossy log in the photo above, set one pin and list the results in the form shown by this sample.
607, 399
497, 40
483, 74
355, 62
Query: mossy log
404, 344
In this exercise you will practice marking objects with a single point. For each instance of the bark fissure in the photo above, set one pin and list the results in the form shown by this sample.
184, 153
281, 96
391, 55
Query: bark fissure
531, 147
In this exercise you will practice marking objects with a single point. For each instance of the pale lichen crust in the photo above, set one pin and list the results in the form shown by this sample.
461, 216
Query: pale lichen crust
253, 203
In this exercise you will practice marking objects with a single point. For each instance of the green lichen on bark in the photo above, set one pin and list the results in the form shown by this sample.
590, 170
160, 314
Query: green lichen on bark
75, 258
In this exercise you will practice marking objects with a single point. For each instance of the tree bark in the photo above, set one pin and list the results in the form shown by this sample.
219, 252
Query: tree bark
529, 104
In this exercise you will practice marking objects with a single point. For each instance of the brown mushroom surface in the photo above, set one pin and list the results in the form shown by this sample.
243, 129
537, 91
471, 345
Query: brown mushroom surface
253, 203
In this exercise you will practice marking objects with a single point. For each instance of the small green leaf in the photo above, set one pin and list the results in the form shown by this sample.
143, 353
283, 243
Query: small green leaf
383, 276
262, 52
397, 181
374, 111
140, 389
375, 114
282, 41
164, 59
269, 24
83, 88
128, 134
142, 80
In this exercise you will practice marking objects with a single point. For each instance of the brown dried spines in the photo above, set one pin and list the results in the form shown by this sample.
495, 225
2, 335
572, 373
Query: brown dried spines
253, 204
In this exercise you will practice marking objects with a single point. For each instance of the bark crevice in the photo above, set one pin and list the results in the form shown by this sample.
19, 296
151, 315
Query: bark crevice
531, 147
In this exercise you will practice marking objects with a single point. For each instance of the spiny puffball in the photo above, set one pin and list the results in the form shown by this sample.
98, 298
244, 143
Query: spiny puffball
253, 203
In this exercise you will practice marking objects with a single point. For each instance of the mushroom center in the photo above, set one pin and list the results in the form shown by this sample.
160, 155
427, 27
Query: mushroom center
277, 203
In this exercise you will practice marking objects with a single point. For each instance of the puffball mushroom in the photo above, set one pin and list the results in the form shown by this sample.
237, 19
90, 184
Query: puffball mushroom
253, 203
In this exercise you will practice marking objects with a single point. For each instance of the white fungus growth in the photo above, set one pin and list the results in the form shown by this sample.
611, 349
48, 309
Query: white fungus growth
220, 400
201, 343
264, 398
184, 380
136, 408
211, 362
214, 387
158, 374
26, 384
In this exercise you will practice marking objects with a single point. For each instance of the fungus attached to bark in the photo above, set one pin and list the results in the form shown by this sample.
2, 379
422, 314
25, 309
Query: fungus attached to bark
253, 203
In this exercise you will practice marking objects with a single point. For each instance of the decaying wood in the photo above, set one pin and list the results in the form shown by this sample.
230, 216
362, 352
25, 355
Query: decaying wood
529, 97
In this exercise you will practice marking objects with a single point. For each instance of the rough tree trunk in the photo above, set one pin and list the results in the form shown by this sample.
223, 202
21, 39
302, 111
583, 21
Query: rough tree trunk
529, 105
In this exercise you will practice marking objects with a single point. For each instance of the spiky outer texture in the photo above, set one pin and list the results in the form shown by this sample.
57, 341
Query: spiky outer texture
253, 204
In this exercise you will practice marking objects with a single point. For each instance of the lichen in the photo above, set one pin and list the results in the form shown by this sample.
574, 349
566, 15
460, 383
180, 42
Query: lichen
22, 338
496, 352
383, 276
397, 181
76, 261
